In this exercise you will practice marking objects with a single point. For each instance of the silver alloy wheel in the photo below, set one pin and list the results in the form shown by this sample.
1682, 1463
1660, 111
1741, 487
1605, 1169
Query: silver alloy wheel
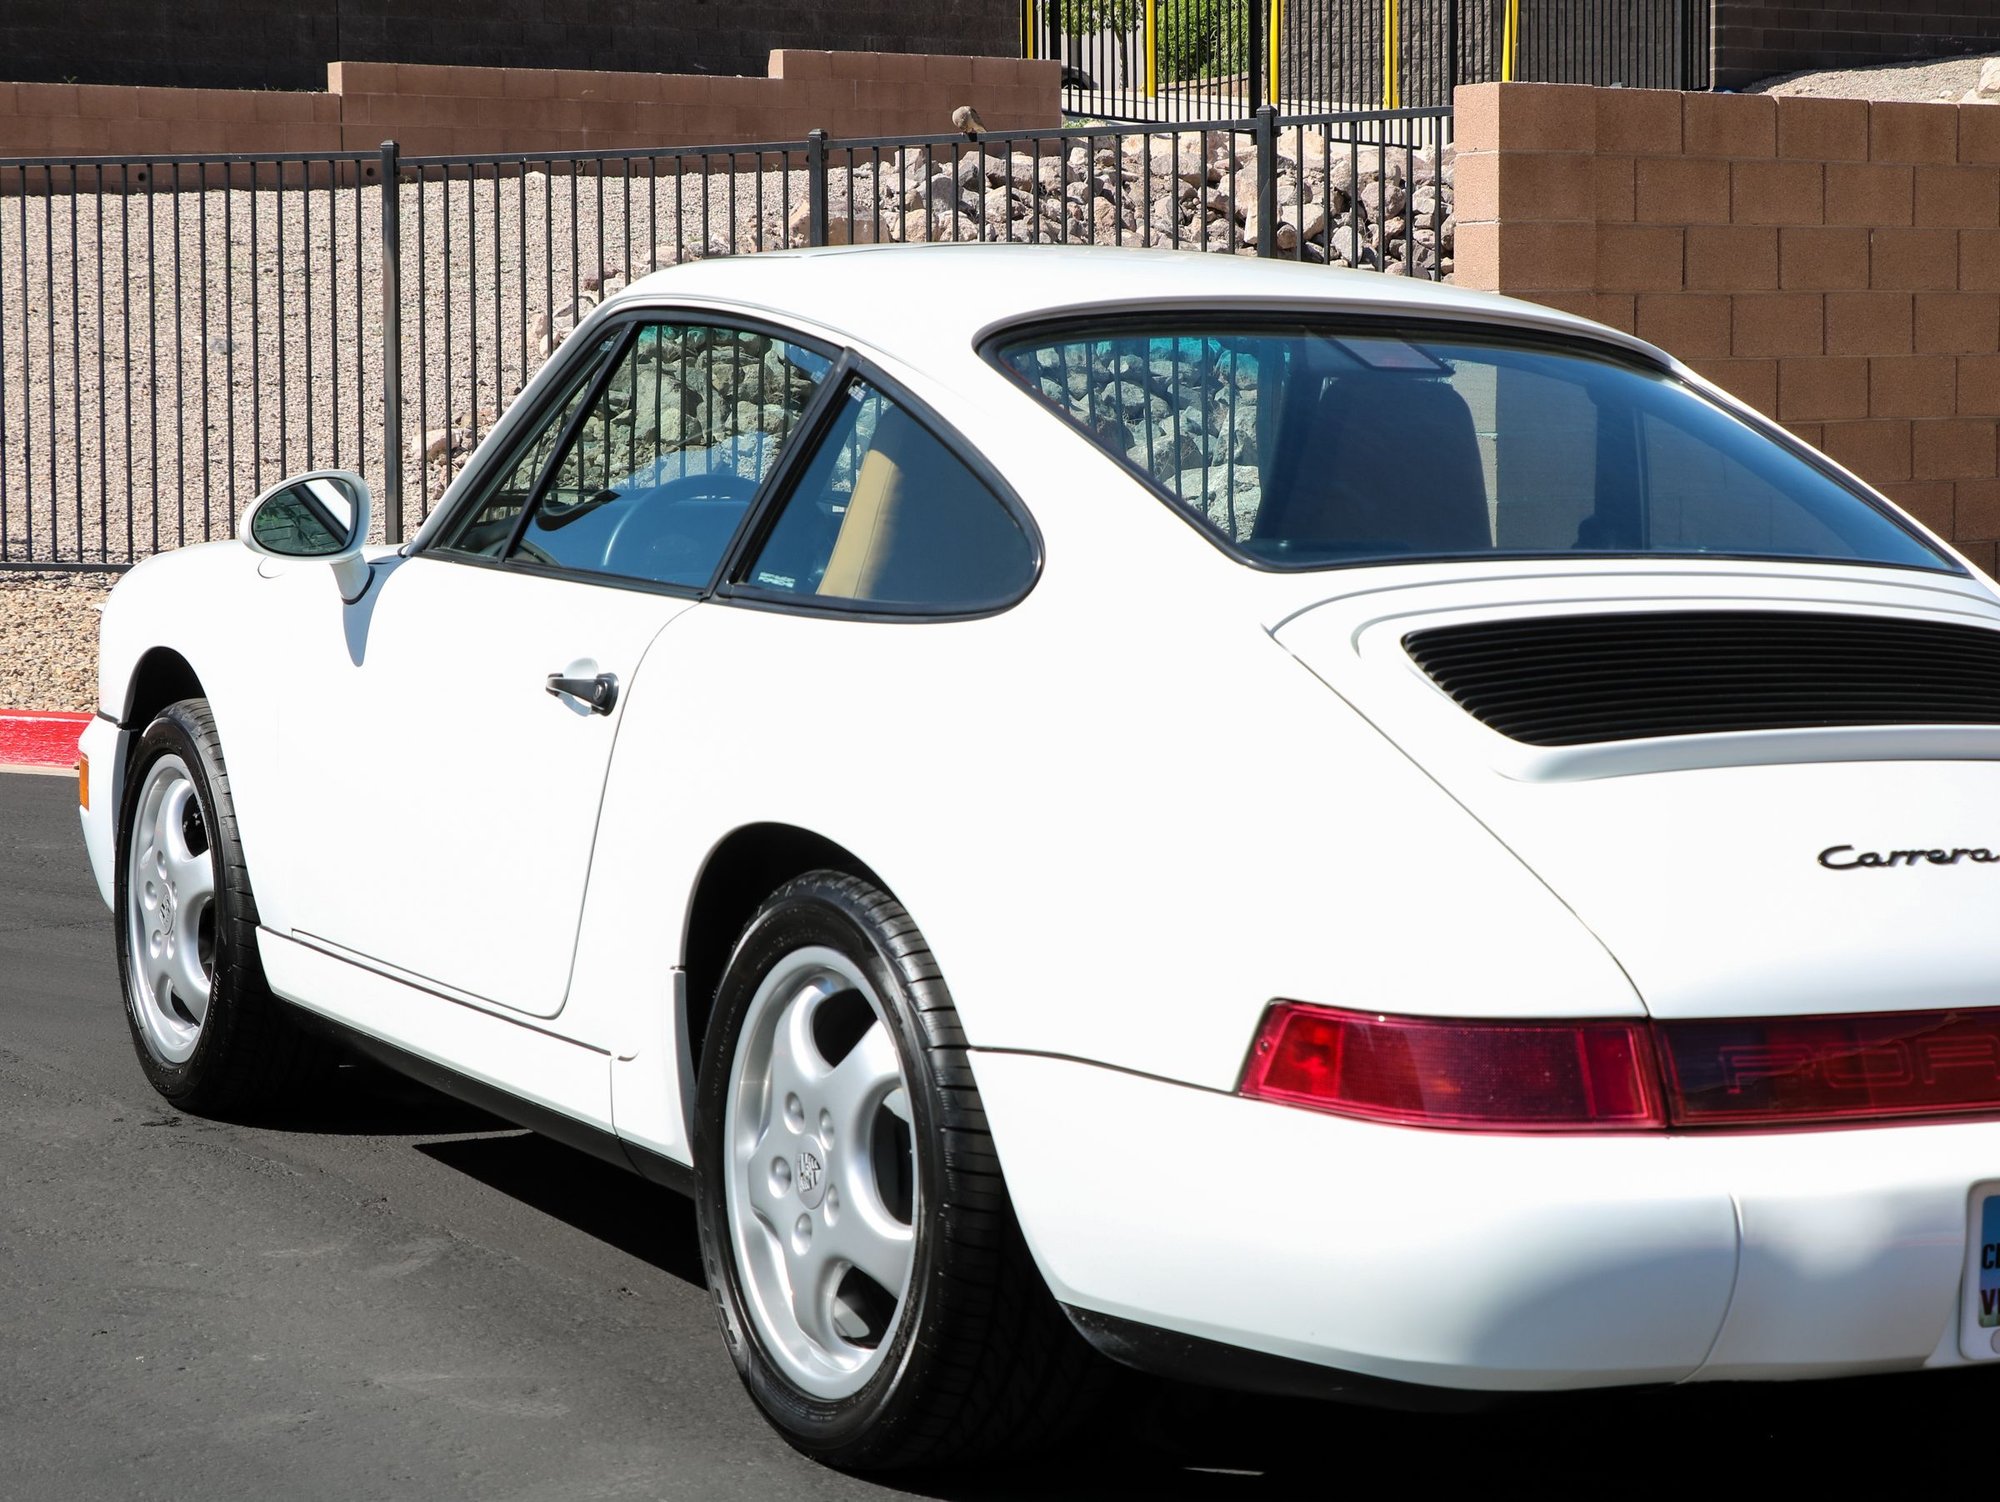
170, 912
820, 1164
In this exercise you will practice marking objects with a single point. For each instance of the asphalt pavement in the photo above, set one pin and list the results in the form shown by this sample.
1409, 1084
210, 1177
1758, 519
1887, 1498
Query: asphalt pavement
383, 1294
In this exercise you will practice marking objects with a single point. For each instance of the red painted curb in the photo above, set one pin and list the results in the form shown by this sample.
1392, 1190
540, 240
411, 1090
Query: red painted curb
39, 738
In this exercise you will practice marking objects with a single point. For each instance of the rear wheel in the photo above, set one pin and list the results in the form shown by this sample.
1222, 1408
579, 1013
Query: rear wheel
209, 1035
869, 1274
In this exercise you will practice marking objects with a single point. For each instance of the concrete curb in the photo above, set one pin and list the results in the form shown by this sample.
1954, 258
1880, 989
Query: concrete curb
39, 740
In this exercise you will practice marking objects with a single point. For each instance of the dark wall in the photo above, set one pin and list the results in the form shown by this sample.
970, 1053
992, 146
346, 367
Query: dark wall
286, 44
1756, 38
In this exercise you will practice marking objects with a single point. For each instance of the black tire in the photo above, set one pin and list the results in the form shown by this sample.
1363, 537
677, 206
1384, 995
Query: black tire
976, 1357
245, 1047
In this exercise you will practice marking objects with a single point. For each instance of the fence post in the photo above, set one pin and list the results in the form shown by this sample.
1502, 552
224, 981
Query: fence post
1253, 65
816, 187
392, 347
1267, 180
1450, 51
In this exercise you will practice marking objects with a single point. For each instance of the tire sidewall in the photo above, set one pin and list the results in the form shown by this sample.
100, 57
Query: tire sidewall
173, 733
842, 1430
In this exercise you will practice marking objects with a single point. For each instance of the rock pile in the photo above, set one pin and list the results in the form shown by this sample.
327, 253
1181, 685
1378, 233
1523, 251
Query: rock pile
1337, 202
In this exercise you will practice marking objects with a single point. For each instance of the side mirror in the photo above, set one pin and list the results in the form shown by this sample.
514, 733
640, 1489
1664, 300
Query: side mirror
321, 514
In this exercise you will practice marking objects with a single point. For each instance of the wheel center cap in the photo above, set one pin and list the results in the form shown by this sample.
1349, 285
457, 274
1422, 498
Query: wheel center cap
167, 906
811, 1177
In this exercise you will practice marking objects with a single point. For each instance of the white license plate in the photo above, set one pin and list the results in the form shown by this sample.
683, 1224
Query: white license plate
1979, 1323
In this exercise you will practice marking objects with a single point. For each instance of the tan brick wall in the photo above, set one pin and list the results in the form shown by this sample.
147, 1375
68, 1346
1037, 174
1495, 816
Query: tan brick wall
1832, 262
438, 110
66, 119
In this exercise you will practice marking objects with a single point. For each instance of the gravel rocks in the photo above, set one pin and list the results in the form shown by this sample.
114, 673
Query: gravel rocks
1938, 80
48, 625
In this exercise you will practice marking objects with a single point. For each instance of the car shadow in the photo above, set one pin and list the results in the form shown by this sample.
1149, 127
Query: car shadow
654, 1225
1162, 1439
360, 1098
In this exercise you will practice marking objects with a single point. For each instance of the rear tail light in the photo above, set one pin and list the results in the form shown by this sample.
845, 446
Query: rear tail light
1493, 1076
1599, 1075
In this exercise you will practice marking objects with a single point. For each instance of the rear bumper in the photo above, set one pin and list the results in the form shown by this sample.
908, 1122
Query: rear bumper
105, 744
1487, 1262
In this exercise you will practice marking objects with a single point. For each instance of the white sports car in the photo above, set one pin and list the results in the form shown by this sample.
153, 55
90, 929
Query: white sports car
1298, 828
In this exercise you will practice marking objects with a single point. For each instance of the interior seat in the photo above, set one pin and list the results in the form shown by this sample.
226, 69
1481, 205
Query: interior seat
1391, 466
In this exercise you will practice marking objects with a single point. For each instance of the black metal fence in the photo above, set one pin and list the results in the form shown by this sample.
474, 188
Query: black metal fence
180, 332
1185, 59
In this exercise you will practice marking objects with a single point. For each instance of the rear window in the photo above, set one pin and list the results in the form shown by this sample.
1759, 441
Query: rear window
1310, 447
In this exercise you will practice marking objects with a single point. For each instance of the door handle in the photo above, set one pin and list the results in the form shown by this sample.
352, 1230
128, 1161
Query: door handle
600, 693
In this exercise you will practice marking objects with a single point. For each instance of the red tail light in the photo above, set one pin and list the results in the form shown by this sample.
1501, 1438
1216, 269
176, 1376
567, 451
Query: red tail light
1596, 1075
1799, 1069
1495, 1076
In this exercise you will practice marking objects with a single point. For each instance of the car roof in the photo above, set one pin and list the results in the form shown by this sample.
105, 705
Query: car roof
923, 302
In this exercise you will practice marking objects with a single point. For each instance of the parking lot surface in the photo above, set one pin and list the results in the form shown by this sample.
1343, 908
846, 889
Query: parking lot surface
384, 1294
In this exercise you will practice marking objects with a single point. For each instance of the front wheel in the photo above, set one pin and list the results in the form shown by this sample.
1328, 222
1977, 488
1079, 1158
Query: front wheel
869, 1275
209, 1035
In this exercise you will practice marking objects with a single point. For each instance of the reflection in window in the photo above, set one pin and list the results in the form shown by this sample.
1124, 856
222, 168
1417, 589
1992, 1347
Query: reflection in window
884, 513
489, 523
663, 466
1306, 446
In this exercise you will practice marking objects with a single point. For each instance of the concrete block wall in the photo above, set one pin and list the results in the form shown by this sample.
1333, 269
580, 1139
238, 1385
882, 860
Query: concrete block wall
435, 110
56, 119
1834, 263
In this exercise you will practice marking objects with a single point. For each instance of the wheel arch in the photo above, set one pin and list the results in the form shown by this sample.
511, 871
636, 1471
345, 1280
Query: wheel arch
746, 866
160, 677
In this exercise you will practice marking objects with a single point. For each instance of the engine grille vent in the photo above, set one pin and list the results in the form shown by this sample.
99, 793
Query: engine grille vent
1568, 680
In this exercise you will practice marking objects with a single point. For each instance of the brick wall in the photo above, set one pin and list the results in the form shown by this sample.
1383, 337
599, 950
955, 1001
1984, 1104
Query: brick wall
436, 110
53, 119
284, 44
1755, 38
1834, 263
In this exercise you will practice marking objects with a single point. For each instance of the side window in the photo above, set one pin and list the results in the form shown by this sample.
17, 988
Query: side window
883, 513
483, 530
663, 466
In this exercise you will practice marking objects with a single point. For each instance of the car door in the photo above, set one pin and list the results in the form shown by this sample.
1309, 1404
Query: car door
484, 680
829, 638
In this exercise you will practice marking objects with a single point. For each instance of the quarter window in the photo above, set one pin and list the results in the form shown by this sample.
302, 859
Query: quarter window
885, 514
487, 525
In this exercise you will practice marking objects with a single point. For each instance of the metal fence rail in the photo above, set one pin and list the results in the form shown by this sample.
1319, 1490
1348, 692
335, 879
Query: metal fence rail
1184, 59
177, 333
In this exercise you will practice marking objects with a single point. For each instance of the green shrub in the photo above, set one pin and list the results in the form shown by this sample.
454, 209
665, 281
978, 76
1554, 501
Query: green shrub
1202, 38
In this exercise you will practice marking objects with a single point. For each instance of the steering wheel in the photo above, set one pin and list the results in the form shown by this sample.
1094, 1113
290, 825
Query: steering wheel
650, 537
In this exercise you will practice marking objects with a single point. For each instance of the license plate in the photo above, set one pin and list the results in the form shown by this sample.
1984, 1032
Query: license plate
1979, 1324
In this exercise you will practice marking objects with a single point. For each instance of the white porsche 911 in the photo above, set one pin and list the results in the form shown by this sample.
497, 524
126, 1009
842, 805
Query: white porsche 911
1296, 828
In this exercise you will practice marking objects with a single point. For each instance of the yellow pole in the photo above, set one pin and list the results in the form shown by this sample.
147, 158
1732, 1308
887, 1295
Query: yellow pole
1510, 41
1028, 28
1152, 49
1277, 20
1392, 44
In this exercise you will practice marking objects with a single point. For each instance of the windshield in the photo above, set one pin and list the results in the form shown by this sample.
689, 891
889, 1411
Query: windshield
1309, 447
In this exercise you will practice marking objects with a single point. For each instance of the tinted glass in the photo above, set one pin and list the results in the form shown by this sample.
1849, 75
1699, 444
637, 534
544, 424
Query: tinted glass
661, 470
312, 519
486, 526
1305, 448
885, 514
